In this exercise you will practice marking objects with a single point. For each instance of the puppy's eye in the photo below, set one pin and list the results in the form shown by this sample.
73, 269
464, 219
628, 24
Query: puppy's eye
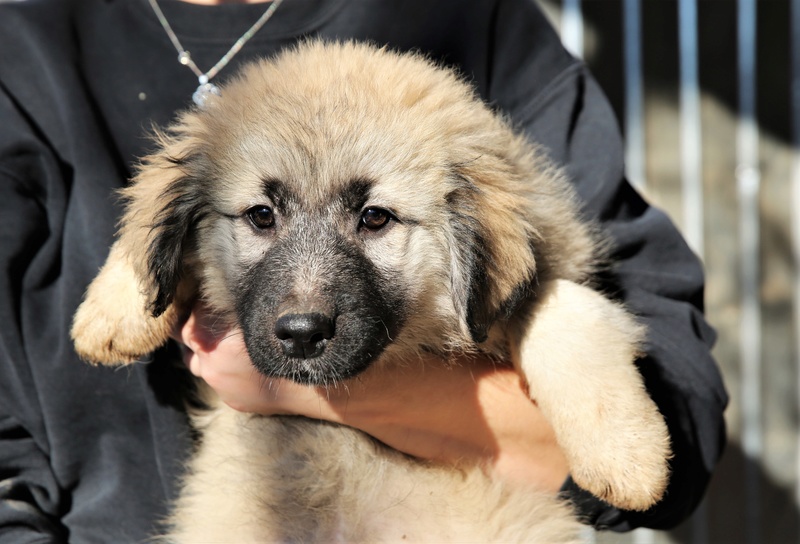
375, 218
262, 217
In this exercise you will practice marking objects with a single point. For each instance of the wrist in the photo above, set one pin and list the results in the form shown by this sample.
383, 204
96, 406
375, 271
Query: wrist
476, 413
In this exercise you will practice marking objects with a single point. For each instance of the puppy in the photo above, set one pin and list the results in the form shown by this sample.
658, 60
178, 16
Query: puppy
348, 206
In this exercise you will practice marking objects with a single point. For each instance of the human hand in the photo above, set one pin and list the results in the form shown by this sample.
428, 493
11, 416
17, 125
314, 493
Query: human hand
463, 411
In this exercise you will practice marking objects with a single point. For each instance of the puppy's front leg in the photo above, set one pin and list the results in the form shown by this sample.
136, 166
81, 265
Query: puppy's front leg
577, 352
113, 325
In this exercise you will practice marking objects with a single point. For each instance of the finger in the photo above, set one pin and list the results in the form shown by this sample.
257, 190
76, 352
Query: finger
192, 361
183, 313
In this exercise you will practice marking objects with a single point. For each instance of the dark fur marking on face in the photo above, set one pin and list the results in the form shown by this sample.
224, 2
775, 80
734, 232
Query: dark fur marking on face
367, 314
279, 193
355, 194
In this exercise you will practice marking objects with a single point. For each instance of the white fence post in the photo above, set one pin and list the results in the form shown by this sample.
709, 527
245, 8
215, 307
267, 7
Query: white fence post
748, 179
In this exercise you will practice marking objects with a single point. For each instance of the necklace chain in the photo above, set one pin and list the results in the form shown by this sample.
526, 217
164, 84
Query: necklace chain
184, 57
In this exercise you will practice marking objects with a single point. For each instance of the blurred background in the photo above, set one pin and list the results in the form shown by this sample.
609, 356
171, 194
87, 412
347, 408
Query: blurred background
708, 96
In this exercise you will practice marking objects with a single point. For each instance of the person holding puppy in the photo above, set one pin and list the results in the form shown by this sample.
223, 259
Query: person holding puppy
88, 454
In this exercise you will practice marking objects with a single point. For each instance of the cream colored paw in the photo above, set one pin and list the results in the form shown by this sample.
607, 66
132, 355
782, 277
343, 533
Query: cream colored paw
578, 354
112, 326
623, 460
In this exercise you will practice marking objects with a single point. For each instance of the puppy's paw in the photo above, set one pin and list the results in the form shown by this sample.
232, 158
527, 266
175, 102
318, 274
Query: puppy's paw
578, 354
100, 338
622, 455
112, 326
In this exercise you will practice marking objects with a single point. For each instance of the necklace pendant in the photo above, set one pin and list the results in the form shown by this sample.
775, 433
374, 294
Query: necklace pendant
205, 91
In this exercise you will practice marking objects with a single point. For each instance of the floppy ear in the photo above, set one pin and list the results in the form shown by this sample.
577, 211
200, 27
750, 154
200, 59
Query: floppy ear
493, 265
168, 237
129, 309
469, 275
517, 223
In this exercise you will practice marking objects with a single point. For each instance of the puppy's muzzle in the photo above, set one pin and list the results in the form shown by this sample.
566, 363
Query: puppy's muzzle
304, 336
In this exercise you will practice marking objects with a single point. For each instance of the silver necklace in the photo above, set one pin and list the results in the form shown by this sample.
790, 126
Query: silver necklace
205, 89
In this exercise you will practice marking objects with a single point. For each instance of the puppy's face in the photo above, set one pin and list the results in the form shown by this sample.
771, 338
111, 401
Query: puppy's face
327, 250
314, 301
343, 205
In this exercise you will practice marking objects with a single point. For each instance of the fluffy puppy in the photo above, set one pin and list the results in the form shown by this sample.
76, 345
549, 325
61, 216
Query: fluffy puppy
349, 206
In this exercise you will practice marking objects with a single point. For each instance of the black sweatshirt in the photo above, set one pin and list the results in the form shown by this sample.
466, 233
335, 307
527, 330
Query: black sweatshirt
93, 454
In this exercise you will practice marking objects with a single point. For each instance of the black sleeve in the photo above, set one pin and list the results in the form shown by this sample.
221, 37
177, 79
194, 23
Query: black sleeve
30, 496
656, 274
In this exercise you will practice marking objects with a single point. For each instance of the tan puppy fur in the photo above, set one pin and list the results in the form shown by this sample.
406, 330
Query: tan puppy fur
374, 194
258, 479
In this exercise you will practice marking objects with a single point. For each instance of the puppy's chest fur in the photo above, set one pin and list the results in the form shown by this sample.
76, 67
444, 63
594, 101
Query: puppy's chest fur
291, 479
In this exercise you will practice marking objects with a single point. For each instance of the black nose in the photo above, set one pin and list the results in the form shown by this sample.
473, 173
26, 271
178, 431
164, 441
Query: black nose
304, 336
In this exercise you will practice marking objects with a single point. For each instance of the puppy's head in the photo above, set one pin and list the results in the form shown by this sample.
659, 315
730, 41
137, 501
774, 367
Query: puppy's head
341, 204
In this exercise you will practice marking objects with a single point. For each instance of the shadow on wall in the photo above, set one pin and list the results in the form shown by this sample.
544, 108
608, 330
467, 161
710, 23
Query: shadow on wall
717, 42
735, 516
